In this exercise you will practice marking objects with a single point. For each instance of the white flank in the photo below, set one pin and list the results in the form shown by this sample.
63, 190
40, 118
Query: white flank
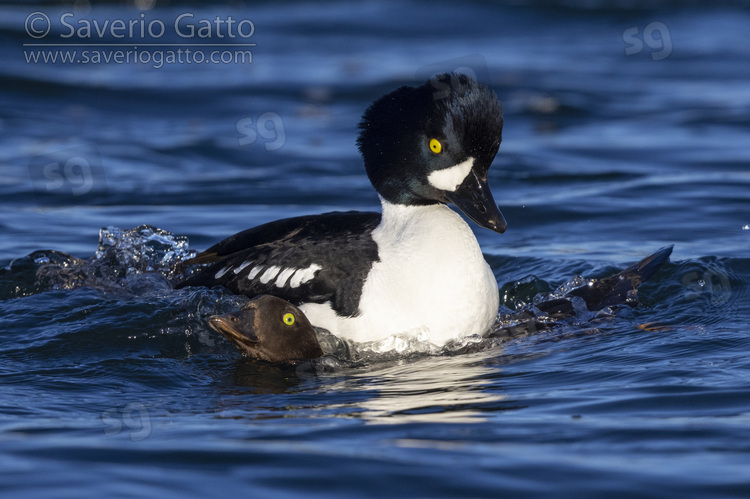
448, 179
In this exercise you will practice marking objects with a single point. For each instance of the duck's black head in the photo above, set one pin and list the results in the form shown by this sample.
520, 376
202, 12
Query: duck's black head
271, 329
434, 144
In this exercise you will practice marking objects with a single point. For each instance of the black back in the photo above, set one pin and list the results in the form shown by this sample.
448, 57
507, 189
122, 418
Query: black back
340, 243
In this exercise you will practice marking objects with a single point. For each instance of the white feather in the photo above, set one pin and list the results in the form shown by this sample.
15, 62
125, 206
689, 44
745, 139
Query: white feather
448, 179
223, 271
244, 264
269, 274
254, 272
304, 275
283, 277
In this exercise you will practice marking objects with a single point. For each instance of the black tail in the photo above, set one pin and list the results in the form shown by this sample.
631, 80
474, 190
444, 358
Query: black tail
617, 289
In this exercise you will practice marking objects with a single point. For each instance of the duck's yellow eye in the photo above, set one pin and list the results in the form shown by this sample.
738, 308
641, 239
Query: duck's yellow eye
436, 146
288, 319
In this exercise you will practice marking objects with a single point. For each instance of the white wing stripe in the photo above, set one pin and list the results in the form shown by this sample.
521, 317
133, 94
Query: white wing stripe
223, 271
284, 276
269, 274
254, 272
239, 269
302, 276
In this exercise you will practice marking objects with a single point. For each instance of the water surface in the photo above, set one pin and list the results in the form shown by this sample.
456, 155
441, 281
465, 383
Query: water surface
610, 151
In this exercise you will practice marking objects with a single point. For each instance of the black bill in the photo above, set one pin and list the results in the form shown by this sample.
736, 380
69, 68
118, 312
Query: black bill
235, 329
474, 198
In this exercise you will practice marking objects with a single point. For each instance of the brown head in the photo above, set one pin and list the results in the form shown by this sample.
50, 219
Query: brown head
269, 328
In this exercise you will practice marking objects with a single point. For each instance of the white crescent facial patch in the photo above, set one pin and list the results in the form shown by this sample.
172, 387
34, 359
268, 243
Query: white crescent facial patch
448, 179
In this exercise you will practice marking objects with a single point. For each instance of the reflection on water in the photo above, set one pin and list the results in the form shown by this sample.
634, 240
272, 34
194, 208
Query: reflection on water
447, 389
435, 389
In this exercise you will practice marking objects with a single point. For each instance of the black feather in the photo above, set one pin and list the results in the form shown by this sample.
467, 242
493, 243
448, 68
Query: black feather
340, 243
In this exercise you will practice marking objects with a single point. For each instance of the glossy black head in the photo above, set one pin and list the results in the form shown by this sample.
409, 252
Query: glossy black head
434, 144
269, 328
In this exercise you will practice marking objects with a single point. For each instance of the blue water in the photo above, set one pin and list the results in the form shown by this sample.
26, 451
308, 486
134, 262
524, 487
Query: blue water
626, 129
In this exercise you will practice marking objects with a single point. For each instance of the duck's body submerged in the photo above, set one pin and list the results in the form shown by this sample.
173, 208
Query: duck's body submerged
416, 269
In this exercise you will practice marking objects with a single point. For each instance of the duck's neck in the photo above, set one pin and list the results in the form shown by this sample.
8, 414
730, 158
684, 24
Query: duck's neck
399, 218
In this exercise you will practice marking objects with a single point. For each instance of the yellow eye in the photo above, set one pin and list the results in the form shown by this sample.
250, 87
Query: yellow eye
436, 146
288, 319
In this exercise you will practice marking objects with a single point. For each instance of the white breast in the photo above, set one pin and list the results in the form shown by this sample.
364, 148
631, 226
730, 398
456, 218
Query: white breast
431, 281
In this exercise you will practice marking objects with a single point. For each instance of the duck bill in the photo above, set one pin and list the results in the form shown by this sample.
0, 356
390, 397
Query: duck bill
474, 198
243, 339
